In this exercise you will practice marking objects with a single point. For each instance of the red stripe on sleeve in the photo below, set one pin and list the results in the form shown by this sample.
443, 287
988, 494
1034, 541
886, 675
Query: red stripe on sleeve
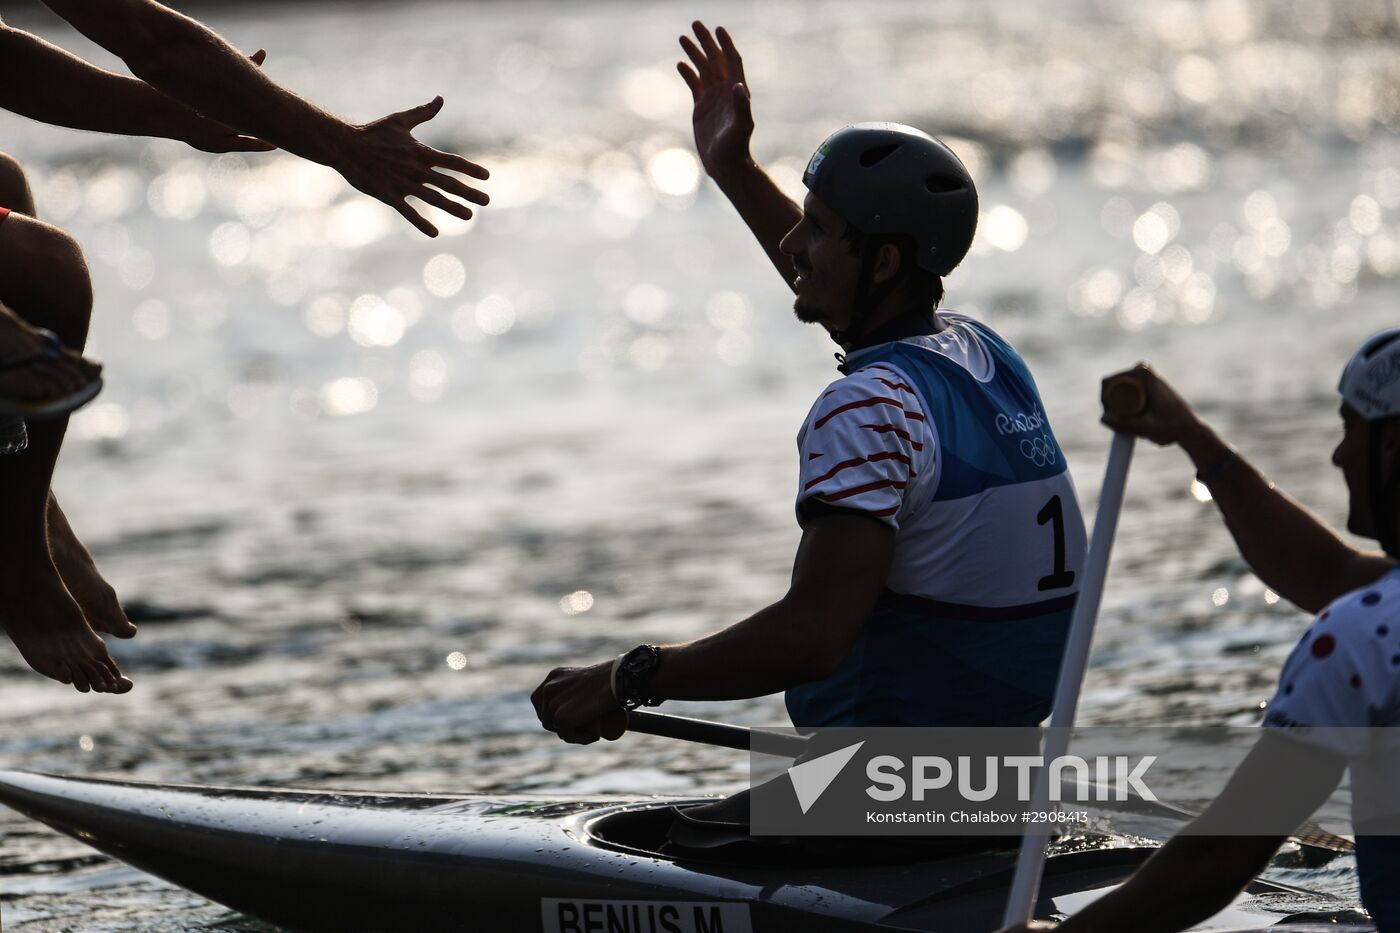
857, 490
847, 464
851, 406
891, 429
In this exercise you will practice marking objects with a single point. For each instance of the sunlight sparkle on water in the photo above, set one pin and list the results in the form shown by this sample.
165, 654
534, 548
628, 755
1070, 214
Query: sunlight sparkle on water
1156, 227
373, 322
579, 601
230, 244
1004, 227
444, 275
674, 171
325, 316
654, 93
177, 195
106, 421
359, 222
350, 395
645, 303
494, 315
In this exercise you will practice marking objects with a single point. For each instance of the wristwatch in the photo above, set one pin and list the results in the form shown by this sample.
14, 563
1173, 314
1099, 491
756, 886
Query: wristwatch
631, 676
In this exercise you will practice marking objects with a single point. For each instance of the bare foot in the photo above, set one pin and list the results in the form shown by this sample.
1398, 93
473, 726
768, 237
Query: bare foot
75, 565
48, 628
30, 377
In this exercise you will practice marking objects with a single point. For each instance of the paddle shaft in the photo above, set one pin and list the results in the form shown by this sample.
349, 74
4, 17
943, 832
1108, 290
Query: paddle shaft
714, 733
1025, 887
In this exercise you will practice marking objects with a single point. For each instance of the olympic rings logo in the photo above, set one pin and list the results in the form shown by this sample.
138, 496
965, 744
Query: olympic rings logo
1039, 450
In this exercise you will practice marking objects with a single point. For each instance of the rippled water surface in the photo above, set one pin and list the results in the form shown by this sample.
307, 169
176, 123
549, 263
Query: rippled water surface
362, 489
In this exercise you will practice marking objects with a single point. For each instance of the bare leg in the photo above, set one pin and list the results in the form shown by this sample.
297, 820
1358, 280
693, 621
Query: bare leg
44, 278
94, 594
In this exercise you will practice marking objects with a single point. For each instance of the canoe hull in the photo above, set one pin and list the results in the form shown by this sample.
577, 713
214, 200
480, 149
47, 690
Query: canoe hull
370, 862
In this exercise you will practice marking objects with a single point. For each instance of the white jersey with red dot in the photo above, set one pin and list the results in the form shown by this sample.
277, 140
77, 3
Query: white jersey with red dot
1340, 691
1344, 673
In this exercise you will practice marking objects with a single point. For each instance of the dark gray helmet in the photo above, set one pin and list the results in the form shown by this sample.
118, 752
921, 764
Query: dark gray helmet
891, 178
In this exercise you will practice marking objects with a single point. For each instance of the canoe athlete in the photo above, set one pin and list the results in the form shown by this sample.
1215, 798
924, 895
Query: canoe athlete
941, 536
1338, 698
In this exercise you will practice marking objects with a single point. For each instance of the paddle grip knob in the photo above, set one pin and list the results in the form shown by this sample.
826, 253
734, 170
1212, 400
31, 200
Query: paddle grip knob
1125, 397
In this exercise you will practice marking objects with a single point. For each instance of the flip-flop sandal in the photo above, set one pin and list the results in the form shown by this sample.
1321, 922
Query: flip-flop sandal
14, 436
48, 407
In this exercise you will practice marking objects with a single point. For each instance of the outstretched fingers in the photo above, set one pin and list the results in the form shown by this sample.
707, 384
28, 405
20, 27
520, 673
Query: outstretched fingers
733, 61
712, 51
455, 163
708, 71
413, 217
458, 187
692, 81
442, 202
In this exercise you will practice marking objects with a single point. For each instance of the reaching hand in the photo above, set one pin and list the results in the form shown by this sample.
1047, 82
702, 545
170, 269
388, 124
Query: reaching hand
723, 118
383, 160
1165, 419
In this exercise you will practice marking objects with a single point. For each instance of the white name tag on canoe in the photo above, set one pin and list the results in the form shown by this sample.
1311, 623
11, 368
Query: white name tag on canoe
573, 916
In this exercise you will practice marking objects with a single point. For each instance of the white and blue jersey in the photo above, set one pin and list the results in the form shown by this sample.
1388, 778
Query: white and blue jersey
944, 437
1340, 690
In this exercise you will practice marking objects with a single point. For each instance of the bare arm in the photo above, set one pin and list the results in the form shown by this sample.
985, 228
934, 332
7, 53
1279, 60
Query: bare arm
723, 123
190, 62
1196, 874
1290, 549
45, 83
840, 569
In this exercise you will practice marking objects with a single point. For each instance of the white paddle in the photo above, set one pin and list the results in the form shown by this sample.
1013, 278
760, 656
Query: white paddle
1127, 398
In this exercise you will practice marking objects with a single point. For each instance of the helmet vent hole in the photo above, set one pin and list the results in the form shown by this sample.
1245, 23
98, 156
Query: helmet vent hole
944, 184
878, 154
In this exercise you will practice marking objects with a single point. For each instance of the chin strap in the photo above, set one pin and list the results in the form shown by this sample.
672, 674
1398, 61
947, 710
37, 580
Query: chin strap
867, 297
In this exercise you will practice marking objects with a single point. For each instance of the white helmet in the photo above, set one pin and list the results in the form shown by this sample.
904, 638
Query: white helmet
1371, 382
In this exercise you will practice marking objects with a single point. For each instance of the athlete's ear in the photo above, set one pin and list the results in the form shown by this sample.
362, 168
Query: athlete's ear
888, 261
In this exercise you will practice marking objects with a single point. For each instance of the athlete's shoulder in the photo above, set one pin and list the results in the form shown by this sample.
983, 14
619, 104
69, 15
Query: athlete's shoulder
877, 383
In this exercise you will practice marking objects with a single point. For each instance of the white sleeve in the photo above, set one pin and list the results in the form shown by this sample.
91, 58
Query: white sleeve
865, 440
1337, 681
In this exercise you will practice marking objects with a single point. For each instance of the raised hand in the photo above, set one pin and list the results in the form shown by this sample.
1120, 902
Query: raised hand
723, 118
383, 160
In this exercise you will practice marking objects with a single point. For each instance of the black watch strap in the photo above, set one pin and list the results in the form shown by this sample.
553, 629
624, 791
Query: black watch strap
631, 676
